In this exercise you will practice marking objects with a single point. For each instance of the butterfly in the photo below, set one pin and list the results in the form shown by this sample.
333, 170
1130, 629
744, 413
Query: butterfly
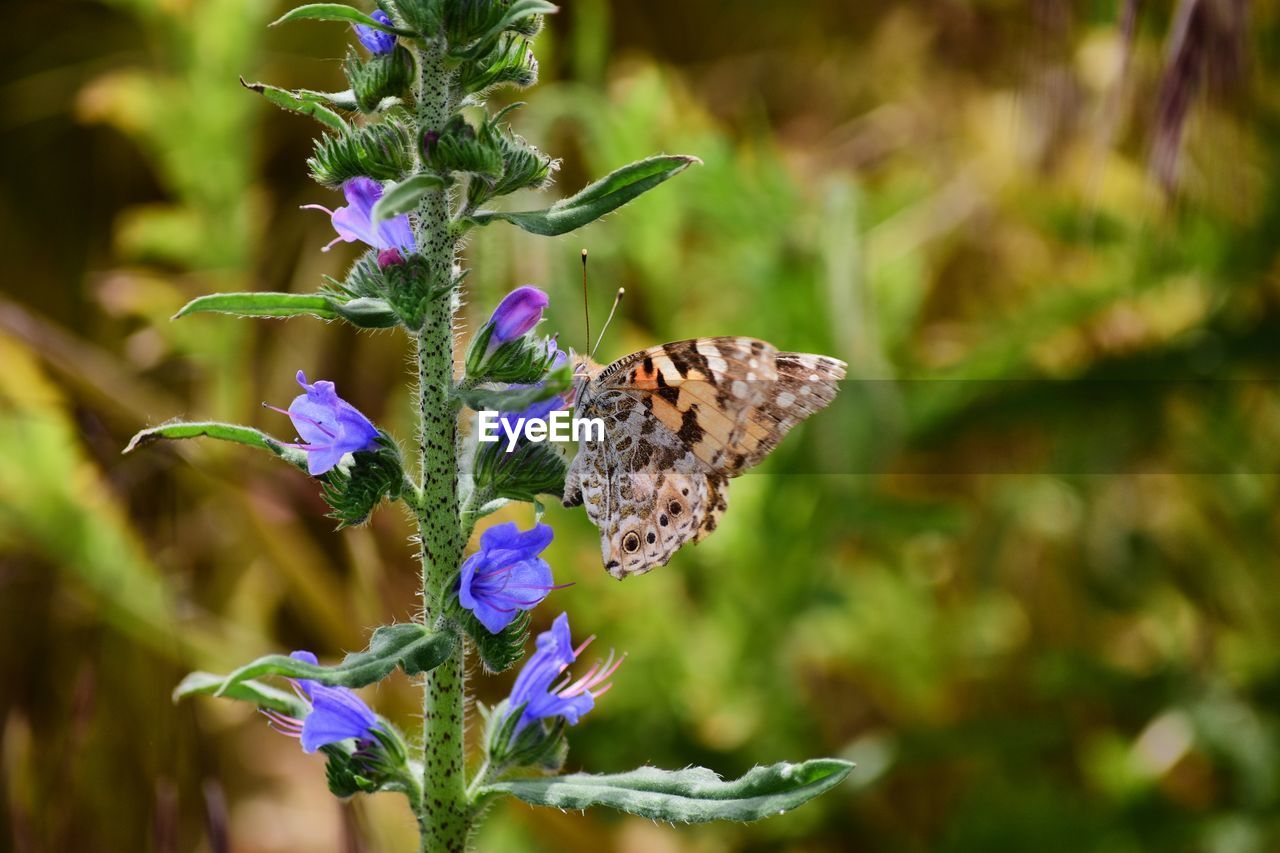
681, 420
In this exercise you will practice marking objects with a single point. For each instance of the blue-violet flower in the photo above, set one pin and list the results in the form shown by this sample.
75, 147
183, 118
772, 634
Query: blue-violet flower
330, 426
518, 312
536, 688
336, 714
506, 575
377, 41
354, 221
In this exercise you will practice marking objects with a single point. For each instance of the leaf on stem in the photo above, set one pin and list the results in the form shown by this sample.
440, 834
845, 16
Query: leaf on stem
692, 795
364, 312
404, 196
305, 103
603, 197
262, 695
413, 647
516, 399
262, 304
223, 432
337, 12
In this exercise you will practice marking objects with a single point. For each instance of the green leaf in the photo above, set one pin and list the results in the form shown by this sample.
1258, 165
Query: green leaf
532, 469
382, 151
413, 647
336, 12
404, 196
497, 652
263, 304
602, 197
517, 399
510, 63
367, 312
307, 104
353, 493
692, 795
512, 18
379, 77
363, 312
262, 695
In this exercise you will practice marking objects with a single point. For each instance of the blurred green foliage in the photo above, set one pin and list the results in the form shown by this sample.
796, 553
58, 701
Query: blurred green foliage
1037, 614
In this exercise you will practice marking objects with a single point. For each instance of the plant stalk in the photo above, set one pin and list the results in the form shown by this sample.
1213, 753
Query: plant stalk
444, 816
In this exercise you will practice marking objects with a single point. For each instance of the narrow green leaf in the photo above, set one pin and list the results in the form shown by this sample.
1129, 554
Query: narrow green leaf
366, 312
413, 647
517, 399
693, 795
336, 12
304, 103
263, 304
211, 429
602, 197
262, 695
404, 196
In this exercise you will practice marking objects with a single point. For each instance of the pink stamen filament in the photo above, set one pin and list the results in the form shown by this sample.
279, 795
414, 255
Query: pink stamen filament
537, 586
593, 677
284, 724
337, 239
303, 418
308, 446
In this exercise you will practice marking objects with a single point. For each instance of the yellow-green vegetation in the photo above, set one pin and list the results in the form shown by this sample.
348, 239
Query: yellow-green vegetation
1023, 572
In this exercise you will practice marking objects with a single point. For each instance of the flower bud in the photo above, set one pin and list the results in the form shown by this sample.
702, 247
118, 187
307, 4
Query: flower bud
390, 258
517, 314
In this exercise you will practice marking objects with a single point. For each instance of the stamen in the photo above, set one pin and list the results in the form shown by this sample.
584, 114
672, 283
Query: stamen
306, 420
538, 586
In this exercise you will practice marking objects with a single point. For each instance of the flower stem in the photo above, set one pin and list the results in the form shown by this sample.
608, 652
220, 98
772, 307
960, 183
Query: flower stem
444, 815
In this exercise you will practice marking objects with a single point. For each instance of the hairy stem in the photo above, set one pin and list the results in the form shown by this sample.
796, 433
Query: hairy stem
444, 814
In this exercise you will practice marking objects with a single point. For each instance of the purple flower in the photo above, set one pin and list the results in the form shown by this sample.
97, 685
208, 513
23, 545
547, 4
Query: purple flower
336, 714
569, 699
355, 220
389, 258
516, 314
506, 575
376, 41
330, 426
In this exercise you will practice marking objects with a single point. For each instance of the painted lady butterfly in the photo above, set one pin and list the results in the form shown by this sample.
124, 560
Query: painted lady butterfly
680, 420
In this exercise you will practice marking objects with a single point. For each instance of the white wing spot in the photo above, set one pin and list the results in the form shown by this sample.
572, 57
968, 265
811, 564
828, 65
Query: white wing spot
786, 398
753, 364
739, 388
751, 377
813, 377
805, 390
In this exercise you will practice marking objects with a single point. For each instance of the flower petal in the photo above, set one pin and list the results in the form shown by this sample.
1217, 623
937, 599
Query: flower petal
336, 715
518, 312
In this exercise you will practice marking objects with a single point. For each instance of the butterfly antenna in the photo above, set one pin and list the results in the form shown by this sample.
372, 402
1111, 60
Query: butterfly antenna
617, 300
586, 307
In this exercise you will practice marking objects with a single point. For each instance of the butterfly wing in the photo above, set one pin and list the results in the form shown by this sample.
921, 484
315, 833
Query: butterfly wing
680, 419
645, 491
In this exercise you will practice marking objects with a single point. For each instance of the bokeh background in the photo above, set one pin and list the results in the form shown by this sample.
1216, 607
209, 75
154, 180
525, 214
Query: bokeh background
1024, 574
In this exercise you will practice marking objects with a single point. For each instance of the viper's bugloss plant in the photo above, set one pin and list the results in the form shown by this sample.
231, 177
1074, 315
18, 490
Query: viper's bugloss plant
418, 173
